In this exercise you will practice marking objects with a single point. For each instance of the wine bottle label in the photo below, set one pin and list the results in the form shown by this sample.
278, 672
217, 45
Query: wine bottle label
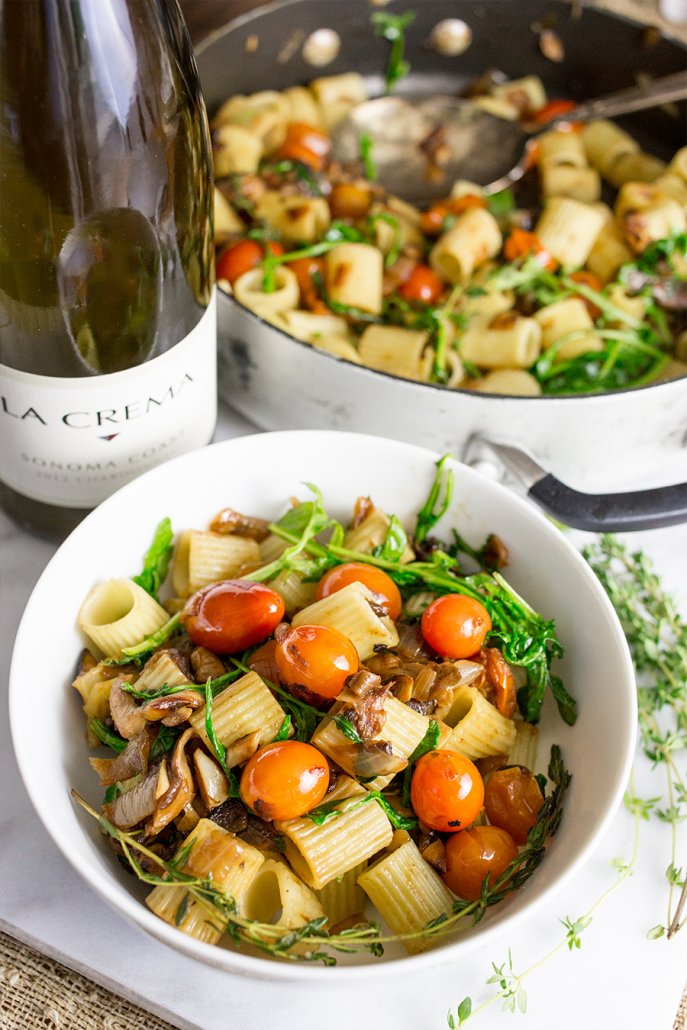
72, 442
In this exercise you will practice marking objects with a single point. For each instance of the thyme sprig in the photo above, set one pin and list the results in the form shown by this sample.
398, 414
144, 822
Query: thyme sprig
657, 637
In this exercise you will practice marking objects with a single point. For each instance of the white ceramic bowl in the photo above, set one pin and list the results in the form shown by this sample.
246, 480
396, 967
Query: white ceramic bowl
257, 474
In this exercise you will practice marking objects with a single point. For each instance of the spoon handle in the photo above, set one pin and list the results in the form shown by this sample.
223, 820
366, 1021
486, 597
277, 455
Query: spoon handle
636, 98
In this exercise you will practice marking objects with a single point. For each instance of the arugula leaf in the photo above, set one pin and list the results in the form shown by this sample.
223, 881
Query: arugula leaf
216, 744
283, 731
365, 147
139, 653
107, 736
164, 742
435, 506
501, 203
656, 253
395, 542
156, 560
346, 727
392, 28
329, 810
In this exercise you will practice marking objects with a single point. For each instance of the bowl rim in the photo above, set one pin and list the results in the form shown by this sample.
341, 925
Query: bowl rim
100, 878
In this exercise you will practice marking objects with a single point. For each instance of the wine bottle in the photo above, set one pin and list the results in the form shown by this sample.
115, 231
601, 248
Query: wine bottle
107, 306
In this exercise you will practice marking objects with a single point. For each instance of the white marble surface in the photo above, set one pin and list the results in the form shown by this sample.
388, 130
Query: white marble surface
618, 978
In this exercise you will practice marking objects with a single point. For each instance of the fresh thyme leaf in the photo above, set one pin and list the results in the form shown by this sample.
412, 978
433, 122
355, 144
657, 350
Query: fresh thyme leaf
365, 147
108, 737
392, 28
182, 910
657, 637
346, 727
428, 743
156, 560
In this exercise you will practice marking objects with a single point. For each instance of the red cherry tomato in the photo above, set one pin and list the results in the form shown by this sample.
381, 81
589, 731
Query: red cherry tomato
554, 109
241, 257
284, 780
446, 791
373, 578
304, 269
501, 678
422, 284
455, 626
512, 799
318, 658
472, 854
521, 244
232, 615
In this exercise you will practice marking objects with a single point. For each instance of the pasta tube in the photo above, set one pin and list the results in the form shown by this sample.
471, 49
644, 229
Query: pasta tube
249, 292
407, 893
474, 239
352, 612
337, 95
561, 148
237, 149
119, 614
243, 708
568, 230
277, 896
605, 143
479, 729
568, 326
392, 349
507, 341
583, 184
203, 557
513, 382
353, 273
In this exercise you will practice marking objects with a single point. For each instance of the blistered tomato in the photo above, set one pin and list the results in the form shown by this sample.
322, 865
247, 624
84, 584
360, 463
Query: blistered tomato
455, 626
512, 800
473, 854
318, 658
284, 780
446, 791
241, 257
231, 615
373, 578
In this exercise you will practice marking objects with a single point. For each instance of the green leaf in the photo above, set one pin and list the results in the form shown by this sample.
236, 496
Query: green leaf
216, 744
138, 652
346, 727
502, 203
164, 742
392, 28
365, 147
107, 736
437, 503
283, 732
464, 1010
156, 560
395, 542
428, 743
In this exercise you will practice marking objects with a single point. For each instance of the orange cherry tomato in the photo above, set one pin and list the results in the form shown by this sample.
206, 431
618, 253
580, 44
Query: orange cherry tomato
455, 626
522, 244
304, 269
594, 283
422, 284
347, 200
501, 678
446, 791
512, 800
232, 615
473, 854
306, 144
432, 220
318, 658
373, 578
284, 780
240, 257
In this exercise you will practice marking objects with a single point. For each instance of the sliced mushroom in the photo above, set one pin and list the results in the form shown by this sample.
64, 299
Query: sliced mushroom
132, 761
212, 783
126, 714
180, 790
206, 665
241, 750
233, 522
172, 709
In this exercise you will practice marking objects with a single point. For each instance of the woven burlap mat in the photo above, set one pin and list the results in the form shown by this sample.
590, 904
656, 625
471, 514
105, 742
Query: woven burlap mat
37, 993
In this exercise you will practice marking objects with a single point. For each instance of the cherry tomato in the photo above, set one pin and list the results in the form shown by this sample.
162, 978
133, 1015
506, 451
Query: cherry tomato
232, 615
422, 284
373, 578
284, 780
306, 144
455, 626
512, 800
522, 244
432, 220
501, 679
446, 790
594, 283
318, 658
347, 200
240, 257
473, 854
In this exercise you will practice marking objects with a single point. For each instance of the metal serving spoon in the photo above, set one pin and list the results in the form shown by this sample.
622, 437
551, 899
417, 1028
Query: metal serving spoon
421, 146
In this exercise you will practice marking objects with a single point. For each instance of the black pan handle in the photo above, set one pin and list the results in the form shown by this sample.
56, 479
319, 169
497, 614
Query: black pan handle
597, 513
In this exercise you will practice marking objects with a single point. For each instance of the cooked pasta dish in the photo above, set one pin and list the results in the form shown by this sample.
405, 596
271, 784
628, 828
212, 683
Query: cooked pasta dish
316, 717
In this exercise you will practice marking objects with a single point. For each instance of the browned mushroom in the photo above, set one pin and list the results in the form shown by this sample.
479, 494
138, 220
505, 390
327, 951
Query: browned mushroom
212, 783
233, 522
180, 789
132, 761
135, 805
126, 714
